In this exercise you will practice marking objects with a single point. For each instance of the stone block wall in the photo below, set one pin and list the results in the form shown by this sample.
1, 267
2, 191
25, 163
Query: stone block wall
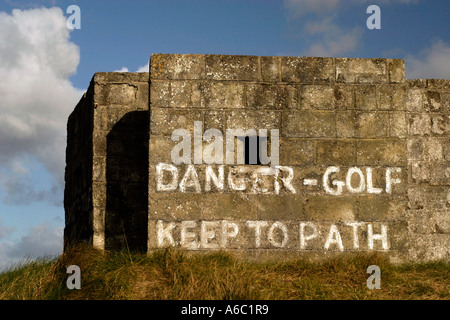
428, 214
111, 125
362, 165
78, 174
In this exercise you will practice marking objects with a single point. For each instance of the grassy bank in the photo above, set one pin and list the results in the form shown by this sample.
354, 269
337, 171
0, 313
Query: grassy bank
173, 275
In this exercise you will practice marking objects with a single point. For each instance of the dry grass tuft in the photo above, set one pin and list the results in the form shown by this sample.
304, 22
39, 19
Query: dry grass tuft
172, 275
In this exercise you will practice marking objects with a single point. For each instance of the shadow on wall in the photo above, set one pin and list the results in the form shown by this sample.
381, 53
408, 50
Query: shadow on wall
127, 183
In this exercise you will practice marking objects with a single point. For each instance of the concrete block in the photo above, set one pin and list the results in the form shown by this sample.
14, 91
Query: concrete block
119, 77
177, 66
270, 96
429, 222
428, 247
99, 144
428, 197
307, 70
419, 124
165, 121
99, 169
99, 194
392, 97
372, 124
347, 124
397, 236
446, 149
178, 206
180, 93
396, 70
420, 172
440, 124
253, 119
414, 100
281, 207
445, 101
160, 148
440, 174
218, 95
397, 125
271, 69
330, 208
214, 119
123, 94
344, 97
356, 70
223, 67
381, 152
432, 101
160, 94
367, 97
309, 124
381, 208
107, 118
434, 149
295, 151
335, 152
318, 97
236, 206
442, 84
415, 148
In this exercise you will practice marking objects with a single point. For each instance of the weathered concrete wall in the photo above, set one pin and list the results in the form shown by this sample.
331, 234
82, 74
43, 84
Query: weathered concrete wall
428, 214
107, 163
78, 174
363, 158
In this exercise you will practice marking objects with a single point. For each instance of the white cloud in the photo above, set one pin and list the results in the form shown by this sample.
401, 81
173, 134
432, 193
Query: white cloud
433, 62
140, 69
144, 68
36, 60
331, 40
335, 46
123, 69
298, 8
323, 36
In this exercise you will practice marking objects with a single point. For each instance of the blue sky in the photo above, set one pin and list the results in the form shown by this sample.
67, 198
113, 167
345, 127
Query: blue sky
45, 68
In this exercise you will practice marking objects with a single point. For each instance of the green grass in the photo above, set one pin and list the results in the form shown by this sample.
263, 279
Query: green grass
172, 274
